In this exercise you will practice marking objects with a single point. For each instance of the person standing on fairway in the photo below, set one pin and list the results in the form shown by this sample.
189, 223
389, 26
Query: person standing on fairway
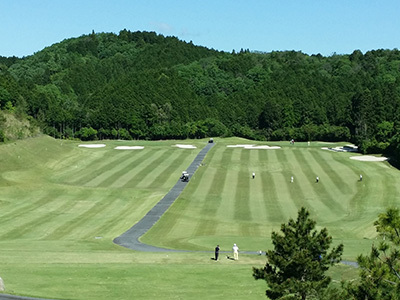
235, 250
253, 175
291, 179
360, 177
216, 252
317, 180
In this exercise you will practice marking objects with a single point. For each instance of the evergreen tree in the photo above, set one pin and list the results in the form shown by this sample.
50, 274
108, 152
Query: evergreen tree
380, 270
296, 268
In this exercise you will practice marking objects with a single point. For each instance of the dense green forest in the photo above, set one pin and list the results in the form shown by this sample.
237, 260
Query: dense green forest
142, 85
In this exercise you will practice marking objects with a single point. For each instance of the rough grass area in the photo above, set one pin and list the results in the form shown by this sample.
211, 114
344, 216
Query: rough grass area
61, 206
14, 128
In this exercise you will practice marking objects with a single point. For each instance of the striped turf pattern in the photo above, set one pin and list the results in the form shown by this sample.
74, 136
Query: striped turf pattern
224, 201
90, 193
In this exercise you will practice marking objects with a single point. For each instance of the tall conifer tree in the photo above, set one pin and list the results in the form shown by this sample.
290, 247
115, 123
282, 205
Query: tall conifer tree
296, 267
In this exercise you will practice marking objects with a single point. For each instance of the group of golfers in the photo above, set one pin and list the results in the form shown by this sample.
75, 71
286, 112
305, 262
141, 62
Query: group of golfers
235, 250
253, 175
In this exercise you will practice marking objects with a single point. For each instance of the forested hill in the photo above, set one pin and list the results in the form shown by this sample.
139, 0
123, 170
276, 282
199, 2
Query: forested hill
144, 85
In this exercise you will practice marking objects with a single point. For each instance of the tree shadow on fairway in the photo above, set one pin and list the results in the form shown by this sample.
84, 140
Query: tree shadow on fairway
394, 163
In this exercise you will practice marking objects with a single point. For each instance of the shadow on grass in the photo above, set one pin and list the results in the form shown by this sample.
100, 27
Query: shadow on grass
394, 163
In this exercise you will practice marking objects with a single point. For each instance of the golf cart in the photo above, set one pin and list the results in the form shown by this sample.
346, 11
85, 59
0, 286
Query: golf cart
185, 176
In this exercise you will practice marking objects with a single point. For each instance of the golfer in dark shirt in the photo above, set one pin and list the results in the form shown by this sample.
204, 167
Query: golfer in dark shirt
216, 252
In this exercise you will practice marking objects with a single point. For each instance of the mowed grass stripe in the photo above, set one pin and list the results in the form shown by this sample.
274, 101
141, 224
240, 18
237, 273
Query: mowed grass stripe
31, 225
195, 183
226, 210
212, 198
354, 204
390, 194
128, 164
204, 222
344, 161
94, 226
44, 197
306, 186
98, 166
256, 197
81, 159
172, 169
273, 209
323, 161
130, 212
146, 174
365, 190
113, 215
80, 214
323, 195
282, 192
325, 179
296, 196
377, 189
242, 209
123, 212
117, 218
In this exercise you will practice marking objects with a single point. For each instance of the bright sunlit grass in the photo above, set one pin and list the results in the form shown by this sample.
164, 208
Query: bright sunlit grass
62, 205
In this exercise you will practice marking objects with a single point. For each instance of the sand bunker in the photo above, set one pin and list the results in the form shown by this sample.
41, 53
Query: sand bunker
185, 146
368, 158
263, 147
92, 145
254, 147
346, 148
129, 147
239, 146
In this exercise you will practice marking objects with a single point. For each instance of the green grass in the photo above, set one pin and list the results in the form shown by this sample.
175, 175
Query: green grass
61, 206
224, 204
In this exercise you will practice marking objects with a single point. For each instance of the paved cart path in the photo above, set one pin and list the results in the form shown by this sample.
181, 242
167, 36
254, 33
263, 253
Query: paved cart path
15, 297
130, 238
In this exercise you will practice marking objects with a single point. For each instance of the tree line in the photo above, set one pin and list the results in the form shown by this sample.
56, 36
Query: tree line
143, 85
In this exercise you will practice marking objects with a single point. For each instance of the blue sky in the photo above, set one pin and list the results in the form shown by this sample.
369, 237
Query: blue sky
310, 26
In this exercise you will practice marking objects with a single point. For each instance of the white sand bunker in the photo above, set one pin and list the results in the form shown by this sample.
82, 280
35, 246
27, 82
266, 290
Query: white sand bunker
254, 147
346, 148
185, 146
263, 147
239, 146
129, 147
368, 158
92, 145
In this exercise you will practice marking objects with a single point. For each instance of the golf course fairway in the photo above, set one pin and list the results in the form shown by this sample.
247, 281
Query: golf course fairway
62, 203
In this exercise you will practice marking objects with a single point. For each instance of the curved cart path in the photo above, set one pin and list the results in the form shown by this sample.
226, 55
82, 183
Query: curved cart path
130, 238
